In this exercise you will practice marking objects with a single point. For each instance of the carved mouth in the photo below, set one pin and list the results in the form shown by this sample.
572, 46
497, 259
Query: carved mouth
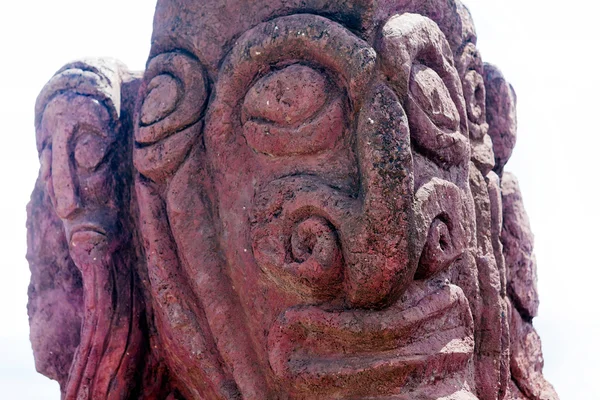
87, 228
367, 352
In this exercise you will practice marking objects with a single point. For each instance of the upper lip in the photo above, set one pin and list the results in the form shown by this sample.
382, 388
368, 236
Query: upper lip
87, 227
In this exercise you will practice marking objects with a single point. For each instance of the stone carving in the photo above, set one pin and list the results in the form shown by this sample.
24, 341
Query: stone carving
294, 201
83, 155
526, 361
83, 132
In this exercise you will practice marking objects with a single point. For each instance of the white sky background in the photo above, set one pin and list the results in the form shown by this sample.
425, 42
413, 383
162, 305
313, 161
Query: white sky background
547, 49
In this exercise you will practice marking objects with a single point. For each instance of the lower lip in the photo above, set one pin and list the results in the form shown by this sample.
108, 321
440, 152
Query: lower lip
87, 235
368, 355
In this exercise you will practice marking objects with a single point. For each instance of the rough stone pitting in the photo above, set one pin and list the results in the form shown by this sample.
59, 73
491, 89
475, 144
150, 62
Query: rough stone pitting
55, 291
517, 240
526, 361
296, 200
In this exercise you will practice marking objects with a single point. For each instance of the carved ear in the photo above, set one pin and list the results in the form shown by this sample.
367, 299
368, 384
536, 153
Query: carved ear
417, 59
440, 211
172, 98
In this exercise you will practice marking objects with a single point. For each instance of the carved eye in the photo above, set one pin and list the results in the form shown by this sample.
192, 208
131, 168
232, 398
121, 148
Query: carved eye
432, 95
418, 61
90, 150
293, 111
287, 97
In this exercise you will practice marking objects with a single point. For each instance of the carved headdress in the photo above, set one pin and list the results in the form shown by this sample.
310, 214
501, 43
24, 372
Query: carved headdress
98, 78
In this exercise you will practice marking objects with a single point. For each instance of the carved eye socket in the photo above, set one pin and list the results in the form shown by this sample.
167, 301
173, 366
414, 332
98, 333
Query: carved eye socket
90, 150
432, 95
287, 97
293, 111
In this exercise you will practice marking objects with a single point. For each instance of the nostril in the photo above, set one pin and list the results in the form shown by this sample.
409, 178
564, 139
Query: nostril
314, 237
305, 257
440, 206
443, 243
438, 251
295, 239
68, 213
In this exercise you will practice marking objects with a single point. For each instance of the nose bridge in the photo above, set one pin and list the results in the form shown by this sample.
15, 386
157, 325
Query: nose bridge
379, 251
302, 227
63, 180
384, 156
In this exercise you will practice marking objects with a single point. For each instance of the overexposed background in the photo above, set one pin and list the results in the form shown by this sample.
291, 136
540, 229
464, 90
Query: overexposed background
547, 49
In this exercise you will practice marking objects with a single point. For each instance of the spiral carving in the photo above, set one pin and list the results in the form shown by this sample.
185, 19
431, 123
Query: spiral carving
174, 93
444, 224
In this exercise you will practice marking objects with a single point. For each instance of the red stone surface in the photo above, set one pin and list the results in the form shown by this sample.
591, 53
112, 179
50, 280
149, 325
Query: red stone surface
295, 201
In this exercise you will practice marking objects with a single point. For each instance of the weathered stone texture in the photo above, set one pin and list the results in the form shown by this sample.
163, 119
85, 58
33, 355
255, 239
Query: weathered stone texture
517, 240
501, 102
295, 200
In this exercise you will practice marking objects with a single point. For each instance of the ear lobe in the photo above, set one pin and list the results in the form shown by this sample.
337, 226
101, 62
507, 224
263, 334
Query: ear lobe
440, 213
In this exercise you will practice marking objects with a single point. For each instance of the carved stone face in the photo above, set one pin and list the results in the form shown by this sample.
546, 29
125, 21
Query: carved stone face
314, 201
331, 170
77, 138
311, 151
84, 167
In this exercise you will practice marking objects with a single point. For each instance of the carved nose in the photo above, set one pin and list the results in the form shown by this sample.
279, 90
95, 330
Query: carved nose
67, 202
379, 250
316, 240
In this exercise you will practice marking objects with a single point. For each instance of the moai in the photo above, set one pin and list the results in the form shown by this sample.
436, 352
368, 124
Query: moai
295, 200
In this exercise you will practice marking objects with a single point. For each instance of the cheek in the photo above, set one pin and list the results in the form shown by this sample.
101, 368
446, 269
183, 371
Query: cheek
99, 188
46, 173
46, 164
